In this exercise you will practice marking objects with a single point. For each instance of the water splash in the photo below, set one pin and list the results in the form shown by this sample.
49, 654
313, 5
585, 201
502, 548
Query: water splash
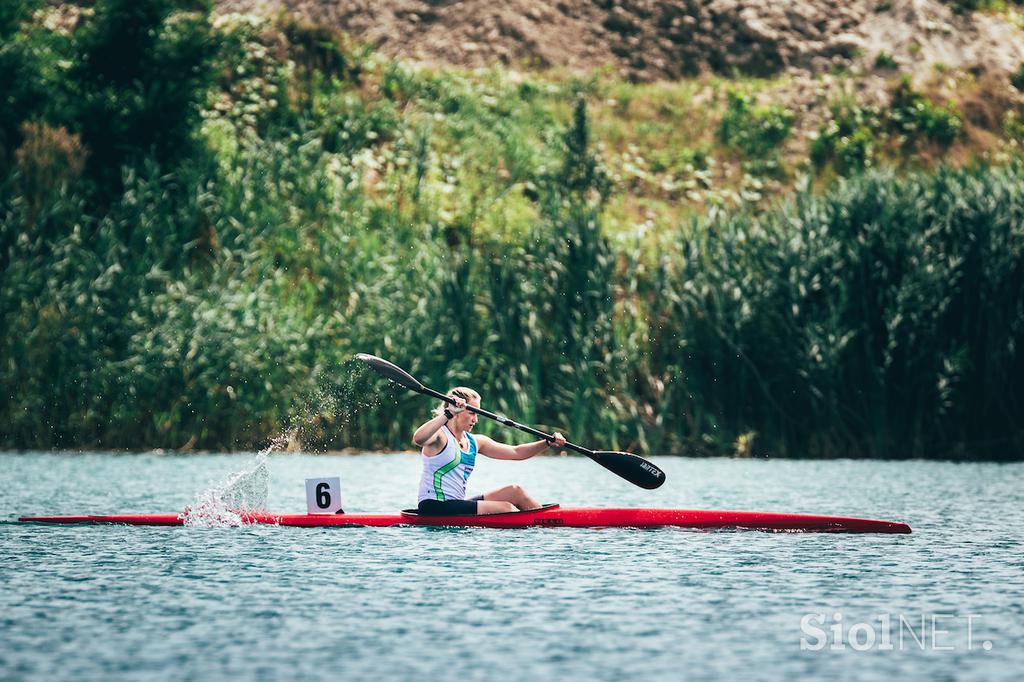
329, 407
223, 504
329, 414
312, 419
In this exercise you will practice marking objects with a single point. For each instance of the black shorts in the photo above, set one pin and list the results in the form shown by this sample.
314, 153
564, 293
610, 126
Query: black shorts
448, 507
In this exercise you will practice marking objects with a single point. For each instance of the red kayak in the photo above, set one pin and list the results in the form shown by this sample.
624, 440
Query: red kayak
550, 516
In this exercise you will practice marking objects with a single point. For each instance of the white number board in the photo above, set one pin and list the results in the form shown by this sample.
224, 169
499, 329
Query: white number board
323, 495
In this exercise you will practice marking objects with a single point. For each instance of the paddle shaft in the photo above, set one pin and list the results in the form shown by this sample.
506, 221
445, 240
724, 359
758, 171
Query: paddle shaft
501, 419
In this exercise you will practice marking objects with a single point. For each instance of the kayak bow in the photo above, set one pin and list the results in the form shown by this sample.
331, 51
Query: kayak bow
551, 516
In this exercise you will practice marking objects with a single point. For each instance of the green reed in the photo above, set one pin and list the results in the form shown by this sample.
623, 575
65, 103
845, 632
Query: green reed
458, 226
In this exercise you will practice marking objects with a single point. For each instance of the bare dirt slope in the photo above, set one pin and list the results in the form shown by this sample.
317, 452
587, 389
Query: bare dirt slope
648, 40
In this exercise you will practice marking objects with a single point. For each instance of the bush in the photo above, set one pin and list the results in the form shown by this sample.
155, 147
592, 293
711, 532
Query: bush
22, 90
754, 130
884, 60
1017, 77
849, 140
963, 6
48, 160
854, 135
912, 114
1013, 125
140, 76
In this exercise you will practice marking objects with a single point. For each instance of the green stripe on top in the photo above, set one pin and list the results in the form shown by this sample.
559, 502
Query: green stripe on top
439, 474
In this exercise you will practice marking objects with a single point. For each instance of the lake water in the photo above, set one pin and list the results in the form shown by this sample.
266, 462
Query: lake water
268, 603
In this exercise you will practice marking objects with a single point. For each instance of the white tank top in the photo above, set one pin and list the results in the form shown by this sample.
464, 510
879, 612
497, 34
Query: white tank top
445, 474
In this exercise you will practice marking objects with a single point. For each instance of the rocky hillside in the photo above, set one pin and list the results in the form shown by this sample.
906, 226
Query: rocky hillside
647, 40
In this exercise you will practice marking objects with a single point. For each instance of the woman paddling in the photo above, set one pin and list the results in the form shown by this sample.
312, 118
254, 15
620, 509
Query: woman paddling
449, 455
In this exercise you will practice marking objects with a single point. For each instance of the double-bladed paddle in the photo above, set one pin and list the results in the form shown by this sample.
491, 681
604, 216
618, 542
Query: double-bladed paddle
633, 468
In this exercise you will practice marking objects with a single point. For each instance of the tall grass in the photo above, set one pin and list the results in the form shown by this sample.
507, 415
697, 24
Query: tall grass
457, 226
863, 322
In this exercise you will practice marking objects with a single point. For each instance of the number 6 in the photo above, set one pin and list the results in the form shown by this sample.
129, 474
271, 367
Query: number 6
323, 495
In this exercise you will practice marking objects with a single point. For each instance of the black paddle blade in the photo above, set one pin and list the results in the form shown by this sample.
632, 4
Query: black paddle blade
634, 469
391, 371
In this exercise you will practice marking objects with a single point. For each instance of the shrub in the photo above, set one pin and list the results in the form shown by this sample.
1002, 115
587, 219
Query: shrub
1013, 125
912, 114
754, 130
22, 90
849, 140
884, 60
47, 160
141, 74
1017, 77
963, 6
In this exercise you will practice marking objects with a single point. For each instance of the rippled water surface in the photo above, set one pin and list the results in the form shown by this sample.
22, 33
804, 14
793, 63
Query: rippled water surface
261, 602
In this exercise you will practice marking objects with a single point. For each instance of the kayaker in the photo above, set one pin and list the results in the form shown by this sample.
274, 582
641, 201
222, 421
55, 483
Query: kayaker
449, 454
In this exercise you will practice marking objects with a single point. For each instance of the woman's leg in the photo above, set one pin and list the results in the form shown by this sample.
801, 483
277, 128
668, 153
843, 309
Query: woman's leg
513, 494
447, 507
494, 507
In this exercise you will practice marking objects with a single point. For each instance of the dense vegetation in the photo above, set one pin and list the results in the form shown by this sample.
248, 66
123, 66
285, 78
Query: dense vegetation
202, 220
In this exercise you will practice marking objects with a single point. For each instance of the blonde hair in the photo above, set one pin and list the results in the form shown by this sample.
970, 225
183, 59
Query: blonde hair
463, 392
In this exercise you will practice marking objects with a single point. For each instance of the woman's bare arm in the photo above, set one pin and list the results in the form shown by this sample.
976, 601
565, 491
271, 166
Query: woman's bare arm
496, 450
429, 433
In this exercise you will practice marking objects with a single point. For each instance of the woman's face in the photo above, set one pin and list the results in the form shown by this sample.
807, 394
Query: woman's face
467, 420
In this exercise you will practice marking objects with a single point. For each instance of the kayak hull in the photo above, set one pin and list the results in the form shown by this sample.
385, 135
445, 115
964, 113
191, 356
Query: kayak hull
550, 517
